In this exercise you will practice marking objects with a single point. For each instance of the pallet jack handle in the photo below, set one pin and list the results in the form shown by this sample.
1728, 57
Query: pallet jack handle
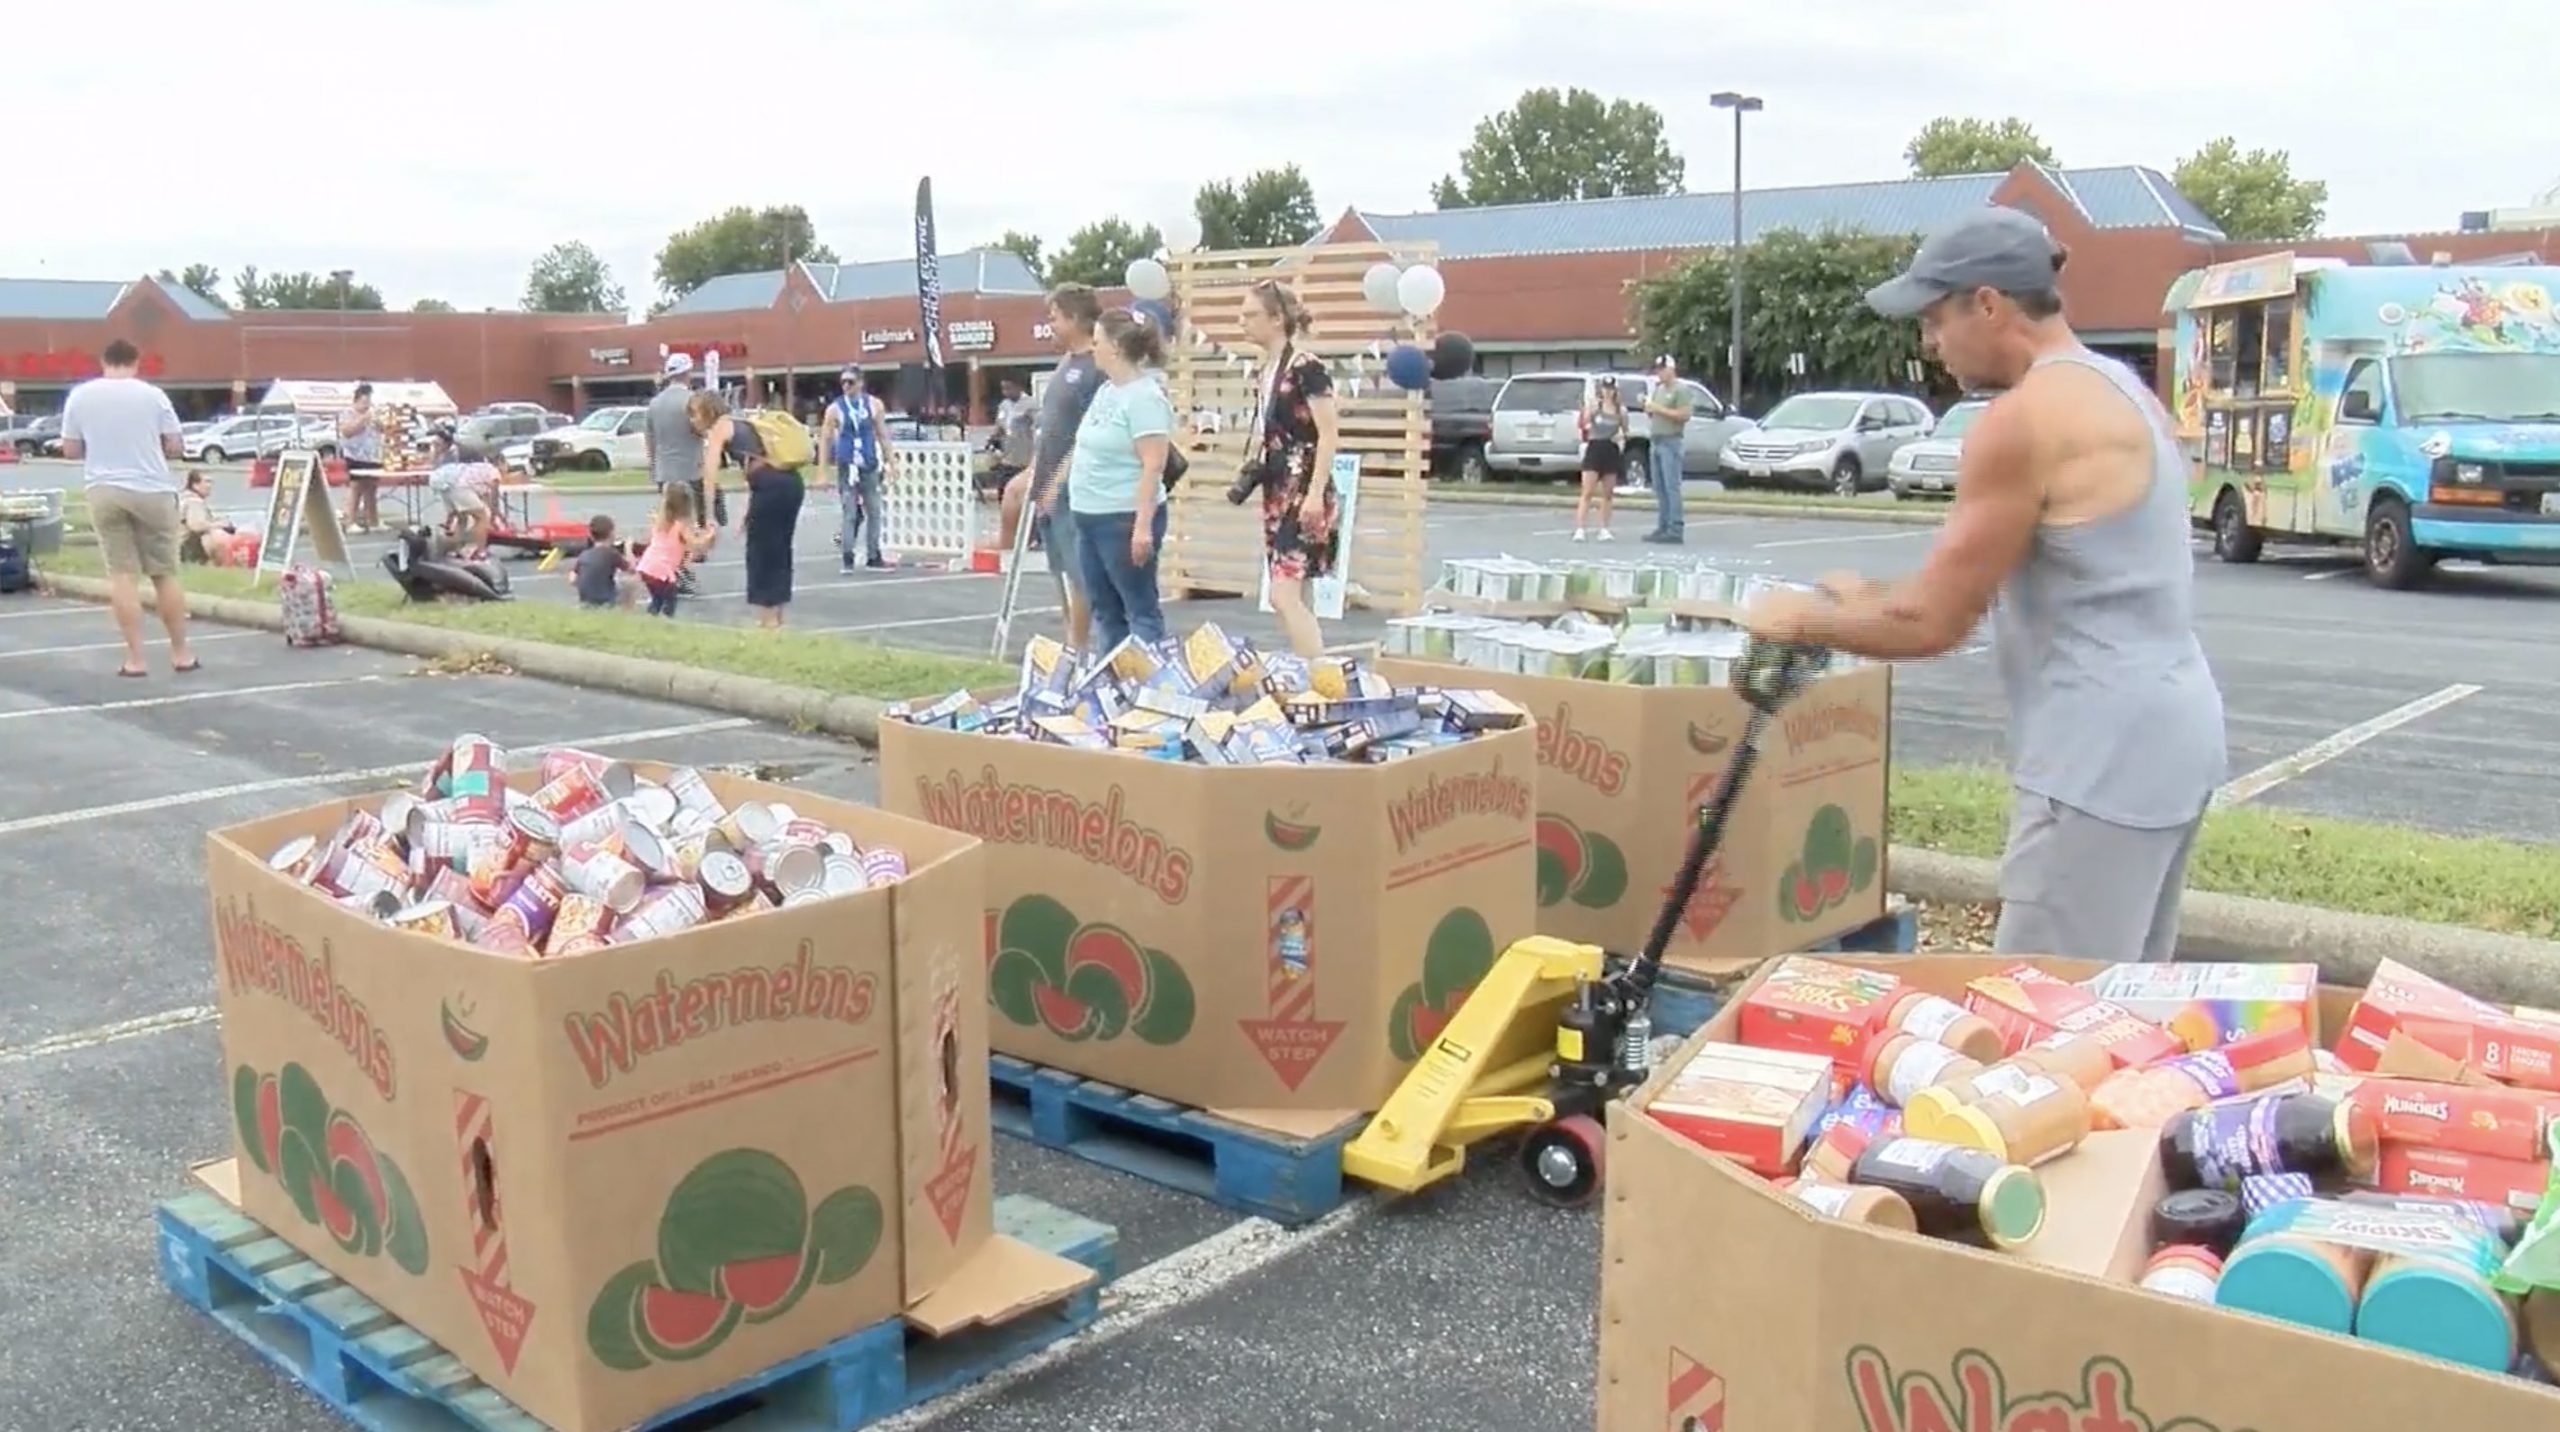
1769, 675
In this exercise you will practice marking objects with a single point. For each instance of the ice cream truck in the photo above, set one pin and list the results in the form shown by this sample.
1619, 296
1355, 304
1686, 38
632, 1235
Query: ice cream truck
2413, 411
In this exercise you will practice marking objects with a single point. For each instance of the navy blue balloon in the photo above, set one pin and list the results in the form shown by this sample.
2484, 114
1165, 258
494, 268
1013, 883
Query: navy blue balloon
1408, 368
1157, 312
1453, 355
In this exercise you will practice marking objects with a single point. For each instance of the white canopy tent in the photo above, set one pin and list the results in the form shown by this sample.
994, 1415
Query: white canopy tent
317, 398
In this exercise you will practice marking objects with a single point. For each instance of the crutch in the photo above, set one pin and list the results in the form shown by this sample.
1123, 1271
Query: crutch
1013, 569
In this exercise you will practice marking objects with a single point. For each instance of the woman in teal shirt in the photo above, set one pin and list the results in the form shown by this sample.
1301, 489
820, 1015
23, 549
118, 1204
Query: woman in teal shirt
1115, 486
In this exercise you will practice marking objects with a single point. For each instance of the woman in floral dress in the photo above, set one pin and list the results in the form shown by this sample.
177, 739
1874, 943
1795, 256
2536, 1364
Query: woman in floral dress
1293, 444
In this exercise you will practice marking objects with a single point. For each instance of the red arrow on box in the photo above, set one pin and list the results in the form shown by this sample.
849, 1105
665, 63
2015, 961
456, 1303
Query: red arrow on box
1291, 1039
506, 1316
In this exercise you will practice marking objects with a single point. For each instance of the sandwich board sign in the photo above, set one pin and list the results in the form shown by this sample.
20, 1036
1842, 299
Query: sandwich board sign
300, 499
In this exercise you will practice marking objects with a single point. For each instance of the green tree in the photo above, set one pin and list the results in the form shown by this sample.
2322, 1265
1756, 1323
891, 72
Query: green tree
1802, 293
1568, 145
249, 289
1269, 209
1025, 247
317, 291
738, 240
2252, 195
1099, 253
1962, 144
431, 305
570, 278
203, 278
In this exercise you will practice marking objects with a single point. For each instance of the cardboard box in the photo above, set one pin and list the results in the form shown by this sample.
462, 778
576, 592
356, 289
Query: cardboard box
2495, 1122
613, 1181
1816, 1006
2207, 1005
1724, 1301
2448, 1173
2026, 1005
1751, 1105
1622, 771
1278, 943
2519, 1046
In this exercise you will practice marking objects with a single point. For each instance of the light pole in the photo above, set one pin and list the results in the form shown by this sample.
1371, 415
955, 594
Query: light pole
344, 279
1741, 104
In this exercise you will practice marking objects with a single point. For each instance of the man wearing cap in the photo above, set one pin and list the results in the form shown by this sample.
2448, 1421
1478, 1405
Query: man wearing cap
2070, 515
1666, 409
855, 437
674, 448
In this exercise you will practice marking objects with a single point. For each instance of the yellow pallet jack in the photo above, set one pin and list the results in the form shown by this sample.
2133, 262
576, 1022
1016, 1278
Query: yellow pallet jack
1556, 1030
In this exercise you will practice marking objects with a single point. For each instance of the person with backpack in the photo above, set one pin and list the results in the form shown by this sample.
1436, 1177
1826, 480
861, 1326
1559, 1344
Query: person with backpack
771, 447
856, 438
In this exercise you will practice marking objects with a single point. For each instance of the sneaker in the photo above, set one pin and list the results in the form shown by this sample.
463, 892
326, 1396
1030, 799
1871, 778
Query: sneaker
878, 564
847, 568
1577, 534
1608, 536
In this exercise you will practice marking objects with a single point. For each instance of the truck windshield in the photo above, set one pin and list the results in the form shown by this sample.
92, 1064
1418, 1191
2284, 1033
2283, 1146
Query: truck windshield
2478, 387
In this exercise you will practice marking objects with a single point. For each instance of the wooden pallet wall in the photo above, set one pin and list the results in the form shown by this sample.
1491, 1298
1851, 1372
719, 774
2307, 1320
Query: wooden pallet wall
1213, 547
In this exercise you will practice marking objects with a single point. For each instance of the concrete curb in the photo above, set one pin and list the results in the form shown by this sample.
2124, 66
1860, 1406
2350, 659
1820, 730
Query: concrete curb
854, 717
2509, 969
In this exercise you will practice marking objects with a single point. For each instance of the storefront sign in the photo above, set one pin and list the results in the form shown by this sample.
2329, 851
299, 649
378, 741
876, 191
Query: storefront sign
610, 357
726, 349
971, 335
1045, 331
67, 365
875, 339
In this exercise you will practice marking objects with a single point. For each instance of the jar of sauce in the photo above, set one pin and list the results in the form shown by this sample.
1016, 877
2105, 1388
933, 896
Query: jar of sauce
1902, 1065
2024, 1118
1923, 1015
1875, 1207
2222, 1144
1954, 1192
2183, 1270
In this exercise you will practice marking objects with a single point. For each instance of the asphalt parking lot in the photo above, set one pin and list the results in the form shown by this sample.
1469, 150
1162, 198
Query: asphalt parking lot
1467, 1308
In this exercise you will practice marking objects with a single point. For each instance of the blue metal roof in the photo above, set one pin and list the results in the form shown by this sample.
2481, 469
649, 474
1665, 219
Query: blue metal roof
971, 271
2122, 197
79, 300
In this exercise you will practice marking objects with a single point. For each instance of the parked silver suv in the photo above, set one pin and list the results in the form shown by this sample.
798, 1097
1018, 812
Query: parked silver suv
1841, 441
1927, 468
1537, 429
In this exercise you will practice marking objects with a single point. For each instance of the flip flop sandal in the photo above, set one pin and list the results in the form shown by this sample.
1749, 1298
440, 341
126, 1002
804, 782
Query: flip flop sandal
195, 665
129, 671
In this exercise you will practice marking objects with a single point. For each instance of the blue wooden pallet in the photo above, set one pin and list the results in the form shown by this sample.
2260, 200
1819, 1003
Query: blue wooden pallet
1685, 1000
1287, 1180
384, 1376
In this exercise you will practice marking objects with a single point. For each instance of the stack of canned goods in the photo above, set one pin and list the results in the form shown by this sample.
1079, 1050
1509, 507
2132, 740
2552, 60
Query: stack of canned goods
595, 854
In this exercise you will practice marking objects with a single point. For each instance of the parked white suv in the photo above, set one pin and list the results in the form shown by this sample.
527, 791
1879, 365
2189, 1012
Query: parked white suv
1927, 468
1841, 441
605, 438
1537, 425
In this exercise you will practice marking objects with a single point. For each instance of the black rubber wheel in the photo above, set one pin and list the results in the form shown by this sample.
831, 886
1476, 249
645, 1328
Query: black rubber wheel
1847, 478
2234, 540
2392, 558
594, 462
1472, 468
1562, 1163
213, 455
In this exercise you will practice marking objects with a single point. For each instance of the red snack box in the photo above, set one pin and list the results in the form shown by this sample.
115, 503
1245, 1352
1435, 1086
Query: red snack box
2446, 1173
1812, 1006
1753, 1106
2462, 1118
2025, 1004
2520, 1047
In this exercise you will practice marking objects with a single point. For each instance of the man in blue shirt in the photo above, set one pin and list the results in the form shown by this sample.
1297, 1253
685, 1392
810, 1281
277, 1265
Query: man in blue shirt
856, 438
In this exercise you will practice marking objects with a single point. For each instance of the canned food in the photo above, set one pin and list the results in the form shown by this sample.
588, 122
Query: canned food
594, 825
603, 874
572, 794
582, 926
667, 910
784, 866
531, 905
395, 811
727, 885
652, 806
884, 866
537, 834
689, 821
427, 917
448, 841
806, 895
505, 933
474, 769
749, 824
616, 777
493, 870
293, 859
375, 905
362, 826
454, 889
641, 846
839, 843
800, 830
842, 875
685, 852
693, 793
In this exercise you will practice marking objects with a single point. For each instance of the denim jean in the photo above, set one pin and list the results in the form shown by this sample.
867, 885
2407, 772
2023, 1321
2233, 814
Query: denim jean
858, 505
1122, 593
1662, 462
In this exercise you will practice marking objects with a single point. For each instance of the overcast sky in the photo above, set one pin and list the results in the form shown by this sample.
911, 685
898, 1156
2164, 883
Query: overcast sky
436, 146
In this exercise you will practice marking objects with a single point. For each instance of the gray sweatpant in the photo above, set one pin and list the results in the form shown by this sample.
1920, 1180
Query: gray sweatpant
2074, 885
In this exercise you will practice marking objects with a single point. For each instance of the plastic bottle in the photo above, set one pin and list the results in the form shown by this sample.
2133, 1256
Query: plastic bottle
1902, 1065
2294, 1279
2026, 1118
1923, 1015
2076, 1057
2183, 1270
1954, 1192
1931, 1112
2222, 1144
2197, 1218
1875, 1207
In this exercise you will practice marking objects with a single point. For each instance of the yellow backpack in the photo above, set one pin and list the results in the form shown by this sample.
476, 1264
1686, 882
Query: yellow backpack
786, 442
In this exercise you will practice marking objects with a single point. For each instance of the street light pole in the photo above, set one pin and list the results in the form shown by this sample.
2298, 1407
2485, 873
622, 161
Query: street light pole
1740, 104
344, 279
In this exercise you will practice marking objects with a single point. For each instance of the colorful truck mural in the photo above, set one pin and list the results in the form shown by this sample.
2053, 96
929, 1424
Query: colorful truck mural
2412, 411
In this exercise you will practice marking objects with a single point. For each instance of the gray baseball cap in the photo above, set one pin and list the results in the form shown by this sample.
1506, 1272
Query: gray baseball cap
1994, 247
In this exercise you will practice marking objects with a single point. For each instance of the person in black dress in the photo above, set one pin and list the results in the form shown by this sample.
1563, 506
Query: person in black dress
1292, 442
774, 494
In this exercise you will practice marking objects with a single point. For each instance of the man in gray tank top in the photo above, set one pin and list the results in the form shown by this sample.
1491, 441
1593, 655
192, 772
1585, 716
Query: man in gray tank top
2071, 513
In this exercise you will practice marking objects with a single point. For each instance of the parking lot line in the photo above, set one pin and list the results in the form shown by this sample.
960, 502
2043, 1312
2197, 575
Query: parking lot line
847, 584
2320, 753
119, 646
1135, 1299
1904, 536
143, 702
332, 778
63, 609
79, 1039
929, 621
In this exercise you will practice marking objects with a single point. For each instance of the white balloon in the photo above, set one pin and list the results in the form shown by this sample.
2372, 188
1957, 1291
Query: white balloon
1420, 290
1378, 286
1181, 232
1147, 278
